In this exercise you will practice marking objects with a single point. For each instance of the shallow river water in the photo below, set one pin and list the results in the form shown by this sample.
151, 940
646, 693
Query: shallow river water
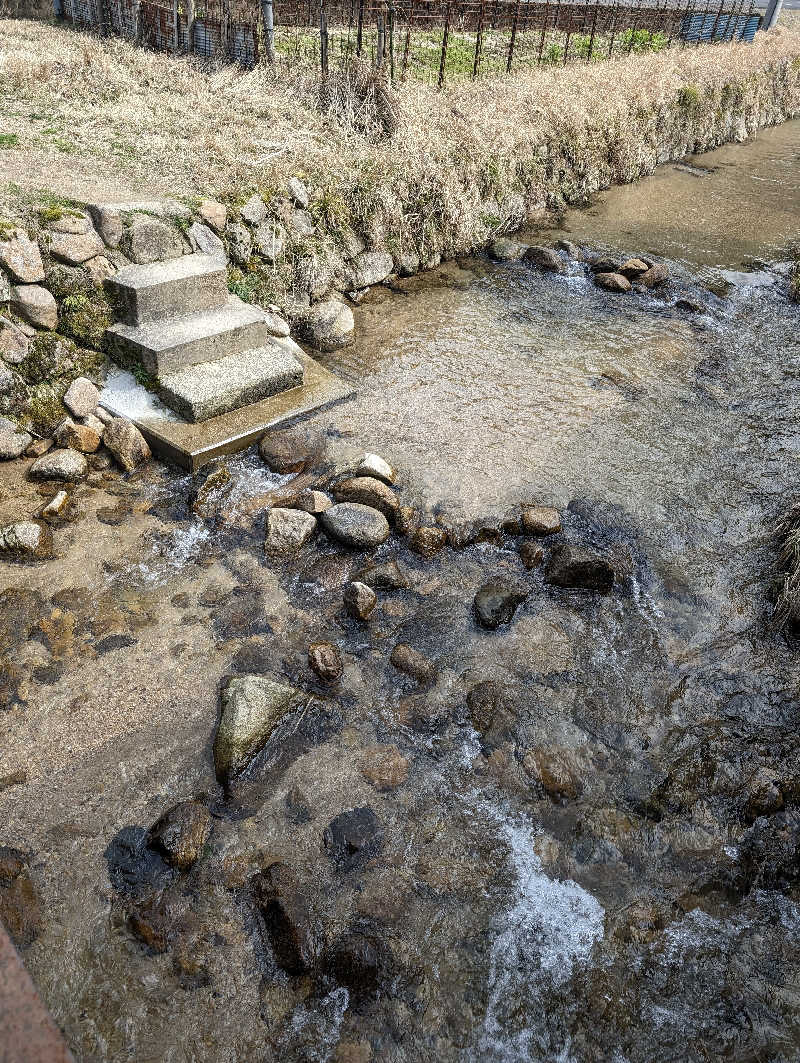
583, 839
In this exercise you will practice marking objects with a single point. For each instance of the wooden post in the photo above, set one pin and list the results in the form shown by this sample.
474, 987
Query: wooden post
591, 36
408, 38
323, 40
513, 37
478, 41
445, 40
380, 44
360, 32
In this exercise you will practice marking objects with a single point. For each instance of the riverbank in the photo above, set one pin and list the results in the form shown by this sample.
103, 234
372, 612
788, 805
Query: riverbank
419, 174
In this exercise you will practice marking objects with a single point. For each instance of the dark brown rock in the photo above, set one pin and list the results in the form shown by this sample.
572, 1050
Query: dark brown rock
575, 566
413, 663
181, 834
427, 541
531, 553
21, 910
612, 282
326, 661
359, 600
387, 576
369, 492
540, 520
288, 450
291, 927
655, 276
363, 963
495, 604
353, 837
545, 258
385, 767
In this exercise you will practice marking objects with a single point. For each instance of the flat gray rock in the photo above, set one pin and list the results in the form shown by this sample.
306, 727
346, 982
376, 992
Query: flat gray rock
13, 444
20, 256
287, 531
66, 465
356, 525
36, 305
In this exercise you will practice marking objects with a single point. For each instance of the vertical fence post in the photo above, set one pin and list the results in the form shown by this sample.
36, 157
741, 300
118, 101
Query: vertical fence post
360, 30
268, 16
613, 28
513, 39
391, 42
544, 31
380, 45
716, 22
407, 46
323, 39
594, 30
478, 41
445, 40
772, 13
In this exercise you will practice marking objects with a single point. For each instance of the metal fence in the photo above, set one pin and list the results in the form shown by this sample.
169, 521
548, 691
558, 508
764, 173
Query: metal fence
435, 40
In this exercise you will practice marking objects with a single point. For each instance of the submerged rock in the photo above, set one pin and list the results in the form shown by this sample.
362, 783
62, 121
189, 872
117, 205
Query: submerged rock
495, 604
575, 566
385, 767
325, 661
252, 707
555, 770
21, 910
504, 249
293, 931
363, 964
413, 663
288, 530
353, 837
359, 600
327, 326
27, 540
181, 833
655, 276
388, 576
356, 525
427, 540
540, 520
286, 450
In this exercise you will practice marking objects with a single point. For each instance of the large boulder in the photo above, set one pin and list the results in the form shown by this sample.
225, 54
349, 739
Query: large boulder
327, 326
66, 466
356, 525
575, 566
36, 305
26, 540
287, 531
126, 443
252, 707
20, 257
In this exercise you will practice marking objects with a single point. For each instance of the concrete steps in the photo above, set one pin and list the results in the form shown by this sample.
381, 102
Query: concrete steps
168, 289
174, 343
212, 388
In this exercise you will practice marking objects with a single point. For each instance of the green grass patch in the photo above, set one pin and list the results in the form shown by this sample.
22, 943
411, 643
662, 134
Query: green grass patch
9, 140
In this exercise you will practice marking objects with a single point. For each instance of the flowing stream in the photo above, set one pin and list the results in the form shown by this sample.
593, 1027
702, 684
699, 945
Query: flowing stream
588, 841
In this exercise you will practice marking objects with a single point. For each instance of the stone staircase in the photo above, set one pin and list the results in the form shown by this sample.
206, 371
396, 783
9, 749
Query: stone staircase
208, 351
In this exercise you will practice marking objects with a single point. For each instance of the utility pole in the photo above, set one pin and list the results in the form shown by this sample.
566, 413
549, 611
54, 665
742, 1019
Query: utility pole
772, 15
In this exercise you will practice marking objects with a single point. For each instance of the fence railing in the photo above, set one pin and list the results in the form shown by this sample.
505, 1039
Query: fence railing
433, 40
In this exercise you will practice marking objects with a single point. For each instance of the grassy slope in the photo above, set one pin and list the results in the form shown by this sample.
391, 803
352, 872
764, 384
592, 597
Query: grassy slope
462, 163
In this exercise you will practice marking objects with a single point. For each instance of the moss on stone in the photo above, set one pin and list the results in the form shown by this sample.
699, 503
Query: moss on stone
84, 310
44, 408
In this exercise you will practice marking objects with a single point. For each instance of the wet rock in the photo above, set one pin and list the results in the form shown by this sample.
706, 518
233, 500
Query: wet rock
405, 521
21, 911
157, 921
369, 492
327, 326
363, 964
20, 257
35, 305
13, 444
540, 520
575, 566
612, 282
66, 465
325, 661
570, 249
388, 576
241, 613
329, 572
27, 540
413, 663
210, 493
633, 268
214, 214
555, 770
603, 264
57, 506
353, 838
252, 706
356, 525
294, 933
152, 240
492, 711
427, 541
481, 530
297, 807
76, 437
545, 258
655, 276
126, 443
181, 834
764, 795
288, 450
374, 465
385, 767
505, 250
315, 502
691, 306
288, 530
359, 600
495, 604
531, 553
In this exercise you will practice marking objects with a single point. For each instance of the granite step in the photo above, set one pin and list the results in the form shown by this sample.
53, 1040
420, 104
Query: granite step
167, 346
187, 285
209, 389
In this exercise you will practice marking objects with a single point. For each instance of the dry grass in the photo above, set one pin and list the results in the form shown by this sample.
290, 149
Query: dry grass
141, 120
